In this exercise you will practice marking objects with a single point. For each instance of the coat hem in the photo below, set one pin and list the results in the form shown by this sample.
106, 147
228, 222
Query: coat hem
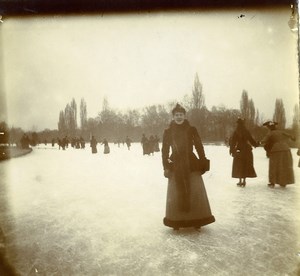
188, 223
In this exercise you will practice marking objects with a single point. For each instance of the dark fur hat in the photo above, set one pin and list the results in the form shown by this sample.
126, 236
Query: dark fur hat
178, 108
240, 121
270, 124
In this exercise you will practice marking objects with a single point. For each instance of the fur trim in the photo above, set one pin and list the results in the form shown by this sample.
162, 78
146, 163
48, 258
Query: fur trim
188, 223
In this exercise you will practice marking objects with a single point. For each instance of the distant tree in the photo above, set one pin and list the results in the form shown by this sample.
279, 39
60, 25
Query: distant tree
68, 119
74, 113
197, 94
109, 121
279, 114
131, 118
83, 114
247, 109
92, 127
244, 105
257, 118
197, 111
71, 118
62, 123
252, 112
221, 122
154, 119
15, 134
34, 138
187, 102
105, 104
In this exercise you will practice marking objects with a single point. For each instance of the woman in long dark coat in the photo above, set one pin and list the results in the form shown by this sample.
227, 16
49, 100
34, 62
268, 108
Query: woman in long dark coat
145, 144
93, 145
280, 158
187, 203
241, 144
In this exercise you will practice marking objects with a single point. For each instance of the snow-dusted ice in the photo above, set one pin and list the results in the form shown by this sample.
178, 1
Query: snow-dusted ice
76, 213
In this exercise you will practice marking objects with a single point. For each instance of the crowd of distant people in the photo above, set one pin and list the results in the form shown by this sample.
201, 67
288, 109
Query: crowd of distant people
149, 145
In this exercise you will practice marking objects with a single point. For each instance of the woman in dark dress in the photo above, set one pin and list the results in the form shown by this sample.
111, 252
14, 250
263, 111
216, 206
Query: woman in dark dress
241, 143
93, 145
280, 157
187, 203
145, 145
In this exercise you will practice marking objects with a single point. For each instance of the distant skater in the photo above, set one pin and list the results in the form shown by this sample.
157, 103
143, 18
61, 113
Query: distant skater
106, 146
241, 143
151, 145
128, 142
145, 144
280, 157
93, 145
156, 144
187, 203
82, 143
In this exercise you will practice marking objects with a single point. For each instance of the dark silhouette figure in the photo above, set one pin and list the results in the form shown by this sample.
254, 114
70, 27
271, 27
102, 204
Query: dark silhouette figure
82, 143
187, 202
151, 145
128, 142
145, 145
156, 144
93, 145
241, 150
280, 157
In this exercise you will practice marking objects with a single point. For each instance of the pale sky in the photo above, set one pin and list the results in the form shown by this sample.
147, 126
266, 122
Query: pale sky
136, 60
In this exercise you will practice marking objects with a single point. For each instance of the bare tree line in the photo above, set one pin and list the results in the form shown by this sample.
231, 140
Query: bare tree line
215, 125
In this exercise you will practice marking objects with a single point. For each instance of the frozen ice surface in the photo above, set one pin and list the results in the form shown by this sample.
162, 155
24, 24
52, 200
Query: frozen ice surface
76, 213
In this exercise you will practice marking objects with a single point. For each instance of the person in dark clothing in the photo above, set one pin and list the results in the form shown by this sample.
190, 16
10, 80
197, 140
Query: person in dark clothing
58, 142
151, 145
128, 142
145, 145
93, 145
64, 143
82, 143
187, 203
280, 157
240, 148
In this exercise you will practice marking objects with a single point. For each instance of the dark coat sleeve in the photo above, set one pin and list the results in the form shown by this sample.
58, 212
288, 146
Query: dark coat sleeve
166, 145
198, 143
232, 143
251, 140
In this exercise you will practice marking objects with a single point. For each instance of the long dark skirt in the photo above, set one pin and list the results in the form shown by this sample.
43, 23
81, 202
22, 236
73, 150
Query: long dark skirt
199, 213
94, 150
281, 168
242, 165
106, 149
